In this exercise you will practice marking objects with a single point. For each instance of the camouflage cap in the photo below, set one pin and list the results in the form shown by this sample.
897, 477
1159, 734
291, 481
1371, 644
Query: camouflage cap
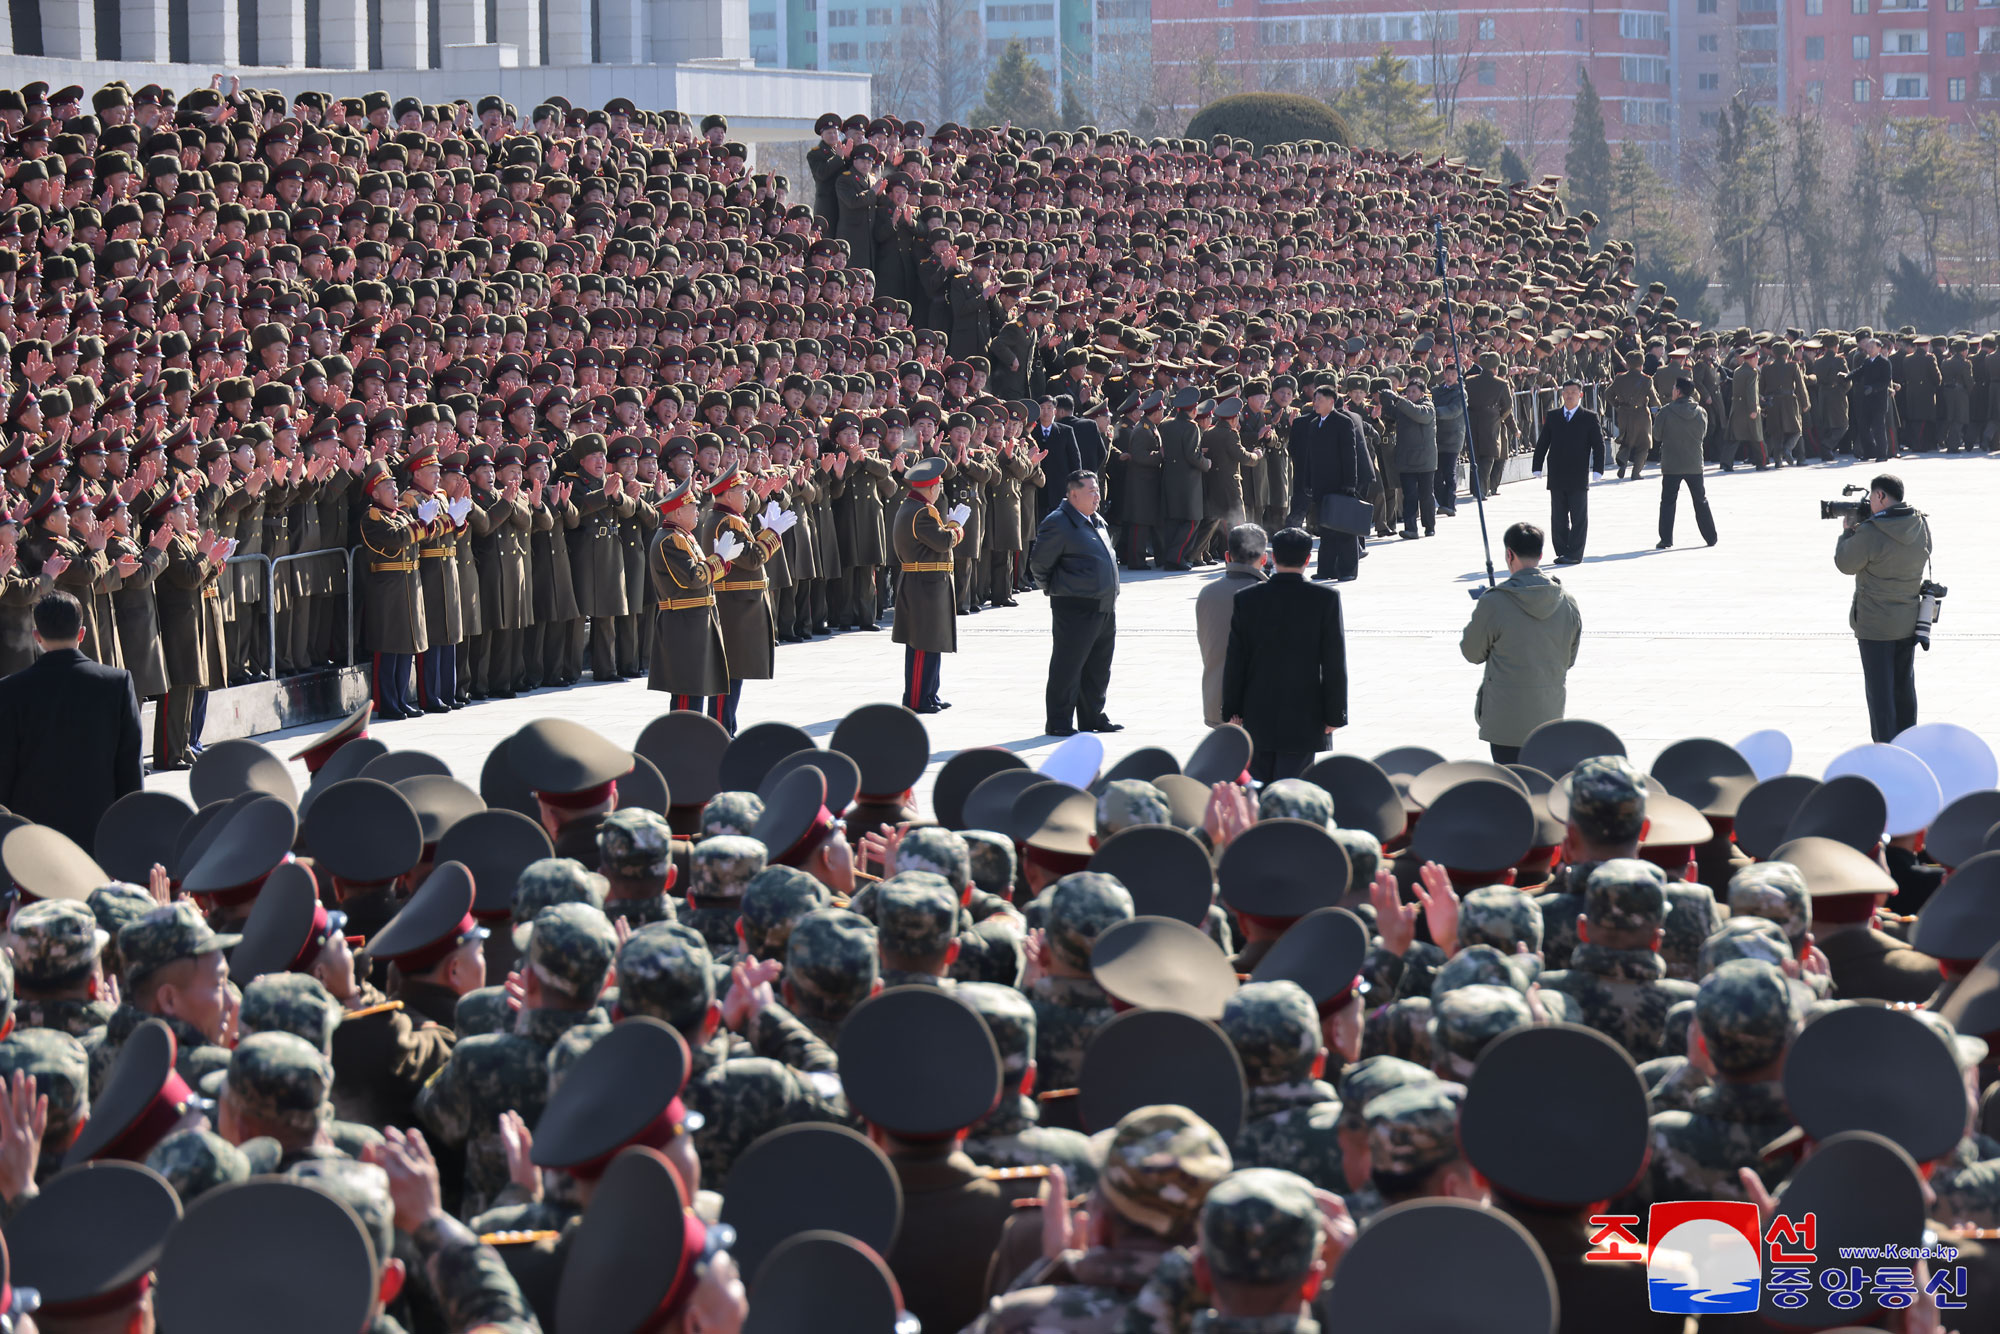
486, 1010
1691, 918
1746, 938
1607, 799
1295, 799
734, 813
773, 902
1274, 1027
942, 852
552, 880
167, 934
54, 943
572, 949
280, 1078
1465, 1019
1159, 1166
197, 1161
1126, 802
666, 972
570, 1048
723, 866
1421, 962
60, 1067
990, 951
1081, 907
1747, 1015
832, 961
1011, 1020
916, 915
1626, 894
990, 859
362, 1187
1364, 854
1367, 1080
635, 843
116, 906
1260, 1225
1776, 890
1501, 916
1402, 1028
1480, 965
292, 1003
1413, 1130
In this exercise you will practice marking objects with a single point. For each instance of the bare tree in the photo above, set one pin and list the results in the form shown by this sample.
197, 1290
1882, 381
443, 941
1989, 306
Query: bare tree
1450, 35
940, 70
1546, 84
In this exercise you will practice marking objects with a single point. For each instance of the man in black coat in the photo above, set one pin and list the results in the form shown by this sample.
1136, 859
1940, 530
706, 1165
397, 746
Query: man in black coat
1873, 379
1074, 563
1065, 454
1285, 677
1329, 459
69, 729
1572, 444
1089, 439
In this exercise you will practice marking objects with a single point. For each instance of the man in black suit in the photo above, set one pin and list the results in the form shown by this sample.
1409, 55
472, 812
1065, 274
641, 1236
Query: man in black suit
1572, 444
1873, 382
69, 729
1090, 450
1285, 677
1047, 433
1329, 459
1074, 563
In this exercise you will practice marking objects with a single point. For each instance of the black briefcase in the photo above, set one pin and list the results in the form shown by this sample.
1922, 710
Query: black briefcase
1345, 514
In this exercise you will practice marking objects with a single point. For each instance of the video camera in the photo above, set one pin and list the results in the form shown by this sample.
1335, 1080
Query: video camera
1842, 509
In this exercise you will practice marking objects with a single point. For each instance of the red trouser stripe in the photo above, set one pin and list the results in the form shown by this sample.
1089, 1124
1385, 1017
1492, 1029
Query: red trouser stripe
916, 681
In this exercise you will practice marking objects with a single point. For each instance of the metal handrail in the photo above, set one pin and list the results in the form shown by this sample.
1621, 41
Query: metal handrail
347, 558
270, 608
271, 565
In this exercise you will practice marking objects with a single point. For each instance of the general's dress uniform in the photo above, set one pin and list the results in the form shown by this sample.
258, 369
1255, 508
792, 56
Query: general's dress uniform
1633, 397
188, 594
437, 574
926, 610
393, 621
597, 567
742, 604
502, 532
689, 661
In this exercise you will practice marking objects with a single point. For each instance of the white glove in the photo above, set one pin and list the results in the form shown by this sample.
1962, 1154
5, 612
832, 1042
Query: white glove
780, 522
728, 546
460, 508
771, 513
427, 510
959, 513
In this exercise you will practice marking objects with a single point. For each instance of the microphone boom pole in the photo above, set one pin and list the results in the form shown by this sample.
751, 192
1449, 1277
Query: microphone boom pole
1451, 332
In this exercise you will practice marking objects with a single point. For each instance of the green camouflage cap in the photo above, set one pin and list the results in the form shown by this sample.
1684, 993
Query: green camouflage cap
60, 1068
362, 1187
734, 813
572, 949
483, 1011
1296, 799
990, 857
1081, 907
1776, 890
1421, 962
1479, 965
1011, 1020
1607, 799
197, 1161
1159, 1167
990, 951
570, 1048
832, 961
1757, 938
280, 1078
167, 934
1274, 1027
916, 914
1691, 918
942, 852
116, 906
634, 843
1747, 1015
723, 866
1365, 1081
1413, 1130
1625, 894
1464, 1020
773, 902
54, 943
1501, 916
1364, 855
292, 1003
551, 880
1127, 802
1262, 1226
1402, 1028
666, 973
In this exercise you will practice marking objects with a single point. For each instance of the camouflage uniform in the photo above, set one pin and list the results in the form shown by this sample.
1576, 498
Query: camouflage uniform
1409, 974
1607, 805
382, 1077
1296, 799
916, 917
116, 906
1292, 1117
197, 1161
990, 861
1561, 902
636, 844
1260, 1227
1622, 993
1127, 802
1776, 890
1691, 918
60, 1067
163, 936
734, 813
940, 851
1070, 1010
1482, 964
1500, 916
1465, 1019
284, 1082
1012, 1135
1412, 1132
1364, 856
774, 902
831, 966
723, 867
290, 1003
54, 944
571, 950
549, 881
1401, 1029
486, 1010
1159, 1166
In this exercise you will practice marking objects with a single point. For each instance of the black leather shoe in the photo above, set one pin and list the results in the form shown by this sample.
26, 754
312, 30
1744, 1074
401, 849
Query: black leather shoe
1058, 731
1661, 546
928, 708
437, 708
1104, 725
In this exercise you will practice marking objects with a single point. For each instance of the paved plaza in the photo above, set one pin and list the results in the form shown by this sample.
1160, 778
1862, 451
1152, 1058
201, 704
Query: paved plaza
1687, 642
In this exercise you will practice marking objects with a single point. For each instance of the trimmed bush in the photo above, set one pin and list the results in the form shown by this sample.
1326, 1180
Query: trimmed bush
1269, 118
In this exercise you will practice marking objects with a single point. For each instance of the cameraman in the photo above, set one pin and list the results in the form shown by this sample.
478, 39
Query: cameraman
1887, 553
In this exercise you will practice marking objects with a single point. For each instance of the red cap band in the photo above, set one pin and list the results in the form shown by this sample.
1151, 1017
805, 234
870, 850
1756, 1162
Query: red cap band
574, 801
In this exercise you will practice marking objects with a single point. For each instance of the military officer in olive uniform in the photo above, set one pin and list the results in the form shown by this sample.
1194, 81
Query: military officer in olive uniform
926, 611
1633, 399
742, 603
688, 660
393, 627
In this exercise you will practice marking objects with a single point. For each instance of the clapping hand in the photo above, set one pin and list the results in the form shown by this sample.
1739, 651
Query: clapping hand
427, 510
959, 513
728, 546
782, 521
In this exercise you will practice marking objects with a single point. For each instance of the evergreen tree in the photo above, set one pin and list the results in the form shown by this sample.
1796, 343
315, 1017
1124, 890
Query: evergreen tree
1588, 163
1073, 111
1511, 167
1744, 146
1479, 142
1387, 109
1017, 93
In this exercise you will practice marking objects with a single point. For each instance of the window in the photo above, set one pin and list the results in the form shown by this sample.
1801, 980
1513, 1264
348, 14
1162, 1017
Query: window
1643, 27
1906, 41
1989, 85
1989, 40
1756, 39
1906, 86
881, 18
1955, 6
1704, 6
1035, 46
843, 51
1710, 119
1579, 30
1756, 6
765, 21
1860, 6
1815, 48
1815, 91
1108, 9
1815, 6
1283, 32
1642, 69
1954, 90
1861, 48
1646, 113
1708, 41
1711, 83
1039, 13
1954, 43
1225, 38
842, 18
1861, 90
1489, 74
881, 50
1486, 30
